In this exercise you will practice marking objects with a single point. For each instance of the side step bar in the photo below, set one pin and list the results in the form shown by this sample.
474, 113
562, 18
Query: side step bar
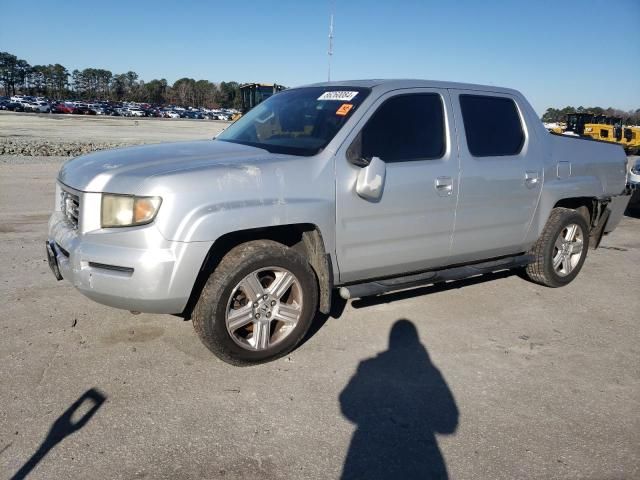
377, 287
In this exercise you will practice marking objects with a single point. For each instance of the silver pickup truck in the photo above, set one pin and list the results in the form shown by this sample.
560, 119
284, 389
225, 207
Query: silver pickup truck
359, 187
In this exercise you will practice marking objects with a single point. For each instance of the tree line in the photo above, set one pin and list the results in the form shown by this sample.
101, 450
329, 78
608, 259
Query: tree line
55, 81
630, 117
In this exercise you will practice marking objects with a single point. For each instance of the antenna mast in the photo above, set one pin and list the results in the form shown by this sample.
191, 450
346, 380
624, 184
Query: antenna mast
330, 51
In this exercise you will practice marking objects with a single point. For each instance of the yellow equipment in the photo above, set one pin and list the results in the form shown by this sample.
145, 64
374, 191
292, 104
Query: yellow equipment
606, 132
603, 128
254, 93
577, 121
631, 139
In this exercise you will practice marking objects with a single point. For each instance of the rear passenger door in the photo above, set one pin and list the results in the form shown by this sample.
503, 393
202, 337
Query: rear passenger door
409, 226
500, 175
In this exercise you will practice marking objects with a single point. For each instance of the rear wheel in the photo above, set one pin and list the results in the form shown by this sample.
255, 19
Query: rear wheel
561, 250
258, 303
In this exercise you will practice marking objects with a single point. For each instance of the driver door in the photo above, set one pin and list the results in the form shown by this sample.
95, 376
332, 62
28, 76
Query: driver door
408, 224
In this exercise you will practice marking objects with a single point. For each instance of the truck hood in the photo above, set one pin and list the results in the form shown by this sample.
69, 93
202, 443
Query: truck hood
126, 170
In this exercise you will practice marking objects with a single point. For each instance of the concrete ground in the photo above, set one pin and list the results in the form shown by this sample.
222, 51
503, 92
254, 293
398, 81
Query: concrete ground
494, 378
92, 128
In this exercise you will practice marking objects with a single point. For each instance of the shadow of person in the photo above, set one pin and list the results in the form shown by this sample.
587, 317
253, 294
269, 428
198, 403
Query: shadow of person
73, 419
399, 401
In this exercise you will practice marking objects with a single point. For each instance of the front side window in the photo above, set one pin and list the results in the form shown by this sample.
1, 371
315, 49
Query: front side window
403, 128
492, 126
300, 121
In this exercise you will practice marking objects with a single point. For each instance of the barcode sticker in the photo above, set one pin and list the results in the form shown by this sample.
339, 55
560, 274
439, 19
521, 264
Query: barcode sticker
341, 96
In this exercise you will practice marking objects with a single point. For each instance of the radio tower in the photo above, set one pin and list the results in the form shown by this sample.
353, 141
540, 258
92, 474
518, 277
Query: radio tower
330, 51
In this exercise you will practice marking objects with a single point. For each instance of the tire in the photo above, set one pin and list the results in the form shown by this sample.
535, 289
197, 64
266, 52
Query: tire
558, 243
231, 295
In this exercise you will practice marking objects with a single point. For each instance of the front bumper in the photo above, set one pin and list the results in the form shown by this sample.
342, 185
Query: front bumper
130, 268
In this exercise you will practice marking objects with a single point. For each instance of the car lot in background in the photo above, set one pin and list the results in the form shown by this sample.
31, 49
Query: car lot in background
30, 104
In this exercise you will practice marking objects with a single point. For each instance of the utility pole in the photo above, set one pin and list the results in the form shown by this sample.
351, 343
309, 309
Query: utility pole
330, 51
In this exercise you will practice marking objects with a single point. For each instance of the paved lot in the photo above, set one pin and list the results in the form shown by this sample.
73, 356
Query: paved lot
91, 128
495, 379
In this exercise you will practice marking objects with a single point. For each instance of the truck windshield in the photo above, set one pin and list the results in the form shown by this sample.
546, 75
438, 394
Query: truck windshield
300, 121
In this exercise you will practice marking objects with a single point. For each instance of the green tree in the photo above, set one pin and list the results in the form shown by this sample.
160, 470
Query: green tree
229, 95
184, 91
8, 64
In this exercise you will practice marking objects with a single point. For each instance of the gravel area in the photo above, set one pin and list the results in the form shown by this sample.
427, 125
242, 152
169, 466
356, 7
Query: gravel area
31, 160
72, 135
54, 148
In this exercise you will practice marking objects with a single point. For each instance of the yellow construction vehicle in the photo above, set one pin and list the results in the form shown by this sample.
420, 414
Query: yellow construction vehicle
576, 122
602, 127
631, 139
254, 93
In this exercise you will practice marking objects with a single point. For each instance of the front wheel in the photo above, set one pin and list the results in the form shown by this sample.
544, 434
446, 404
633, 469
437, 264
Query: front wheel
258, 303
561, 250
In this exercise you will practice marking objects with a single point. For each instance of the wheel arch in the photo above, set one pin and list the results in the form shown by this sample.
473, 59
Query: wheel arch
586, 197
306, 238
586, 206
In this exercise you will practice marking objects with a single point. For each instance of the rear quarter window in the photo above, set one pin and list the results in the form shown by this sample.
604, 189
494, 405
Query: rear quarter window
492, 125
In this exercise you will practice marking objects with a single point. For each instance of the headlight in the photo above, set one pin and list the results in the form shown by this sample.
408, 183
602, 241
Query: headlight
636, 169
127, 210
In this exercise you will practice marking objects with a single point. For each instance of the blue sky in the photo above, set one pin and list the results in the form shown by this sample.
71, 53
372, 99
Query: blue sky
557, 53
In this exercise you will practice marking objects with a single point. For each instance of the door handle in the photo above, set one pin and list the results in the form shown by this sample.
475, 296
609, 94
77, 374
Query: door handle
531, 178
444, 186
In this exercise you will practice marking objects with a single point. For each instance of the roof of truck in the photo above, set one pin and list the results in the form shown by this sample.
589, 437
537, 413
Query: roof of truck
394, 84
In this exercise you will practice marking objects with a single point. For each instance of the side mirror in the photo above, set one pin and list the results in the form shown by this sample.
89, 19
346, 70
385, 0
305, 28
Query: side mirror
370, 183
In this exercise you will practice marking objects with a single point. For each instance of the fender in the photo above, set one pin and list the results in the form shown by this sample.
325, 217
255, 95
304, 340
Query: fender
556, 190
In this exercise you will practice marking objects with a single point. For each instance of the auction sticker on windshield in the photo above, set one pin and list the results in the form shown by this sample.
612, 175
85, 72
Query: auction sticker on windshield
344, 109
341, 96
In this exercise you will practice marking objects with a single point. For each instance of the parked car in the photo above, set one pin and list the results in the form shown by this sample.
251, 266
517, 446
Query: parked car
133, 112
38, 106
81, 109
62, 108
366, 187
195, 115
151, 112
15, 106
97, 109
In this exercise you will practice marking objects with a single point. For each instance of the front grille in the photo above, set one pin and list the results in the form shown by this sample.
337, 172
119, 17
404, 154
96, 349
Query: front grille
70, 207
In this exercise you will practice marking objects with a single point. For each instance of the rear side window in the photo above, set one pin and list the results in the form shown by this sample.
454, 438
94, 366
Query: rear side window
406, 127
492, 126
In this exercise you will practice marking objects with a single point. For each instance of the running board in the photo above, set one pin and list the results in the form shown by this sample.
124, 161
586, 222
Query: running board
377, 287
